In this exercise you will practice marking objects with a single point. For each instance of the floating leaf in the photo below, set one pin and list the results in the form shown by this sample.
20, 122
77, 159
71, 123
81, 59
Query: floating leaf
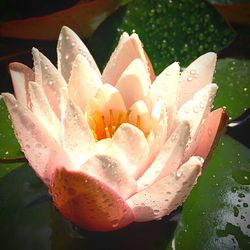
216, 214
232, 76
9, 147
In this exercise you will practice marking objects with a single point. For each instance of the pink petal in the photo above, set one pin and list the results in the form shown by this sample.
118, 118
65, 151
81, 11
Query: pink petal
77, 138
83, 82
21, 75
215, 124
39, 146
89, 203
159, 119
167, 194
196, 112
128, 49
196, 76
48, 76
134, 83
42, 110
110, 172
166, 88
139, 110
68, 47
132, 147
143, 55
169, 157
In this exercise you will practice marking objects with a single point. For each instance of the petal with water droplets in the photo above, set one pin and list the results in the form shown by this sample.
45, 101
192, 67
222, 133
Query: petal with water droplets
40, 148
132, 146
198, 74
111, 172
134, 83
215, 124
21, 75
83, 82
88, 202
166, 88
52, 81
169, 158
167, 194
68, 47
196, 112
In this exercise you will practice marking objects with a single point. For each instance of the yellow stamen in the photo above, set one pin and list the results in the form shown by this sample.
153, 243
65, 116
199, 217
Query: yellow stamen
138, 122
107, 132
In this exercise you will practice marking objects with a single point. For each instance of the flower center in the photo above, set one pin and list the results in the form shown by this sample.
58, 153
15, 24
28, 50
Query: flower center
104, 127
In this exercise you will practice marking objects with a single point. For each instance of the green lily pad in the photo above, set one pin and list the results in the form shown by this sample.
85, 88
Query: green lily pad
232, 76
9, 147
170, 30
229, 1
216, 214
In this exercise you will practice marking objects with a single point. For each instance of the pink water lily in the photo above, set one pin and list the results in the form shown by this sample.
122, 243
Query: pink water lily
116, 147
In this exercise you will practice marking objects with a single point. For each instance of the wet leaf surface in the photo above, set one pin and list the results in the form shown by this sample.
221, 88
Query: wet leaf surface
9, 147
216, 214
170, 30
232, 76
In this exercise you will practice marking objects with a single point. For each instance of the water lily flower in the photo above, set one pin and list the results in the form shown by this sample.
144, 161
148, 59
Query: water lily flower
118, 147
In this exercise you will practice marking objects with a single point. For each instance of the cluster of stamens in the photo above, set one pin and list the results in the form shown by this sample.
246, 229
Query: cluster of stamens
104, 127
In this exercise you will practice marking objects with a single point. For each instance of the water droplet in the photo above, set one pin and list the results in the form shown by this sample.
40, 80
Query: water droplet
189, 78
115, 223
66, 56
73, 44
209, 132
173, 138
179, 173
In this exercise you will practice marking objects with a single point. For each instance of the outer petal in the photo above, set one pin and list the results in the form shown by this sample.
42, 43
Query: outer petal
42, 110
164, 196
166, 88
68, 47
134, 83
215, 124
88, 202
196, 76
51, 80
169, 157
83, 81
126, 51
143, 55
132, 146
21, 75
39, 146
111, 172
77, 138
196, 111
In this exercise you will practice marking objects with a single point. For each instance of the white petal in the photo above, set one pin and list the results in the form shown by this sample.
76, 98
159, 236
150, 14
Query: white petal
48, 76
166, 88
140, 117
196, 111
167, 194
110, 172
132, 147
42, 110
21, 75
83, 82
198, 74
169, 157
78, 139
128, 49
134, 83
40, 148
68, 47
